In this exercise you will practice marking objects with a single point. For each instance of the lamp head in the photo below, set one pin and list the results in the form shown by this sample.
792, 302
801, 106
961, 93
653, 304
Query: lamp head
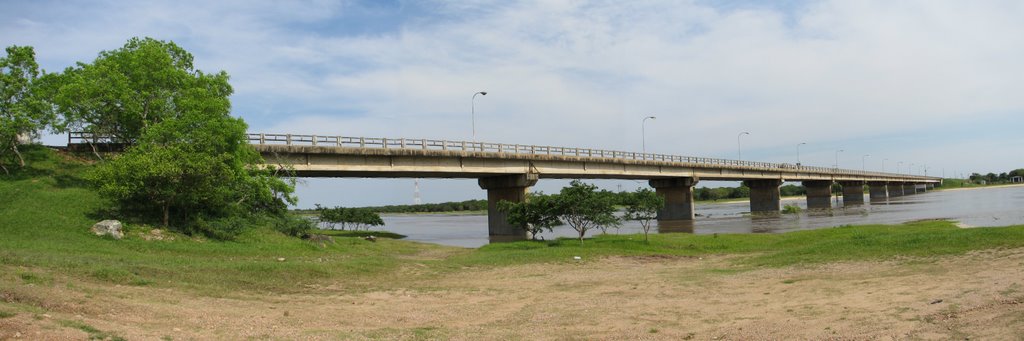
483, 93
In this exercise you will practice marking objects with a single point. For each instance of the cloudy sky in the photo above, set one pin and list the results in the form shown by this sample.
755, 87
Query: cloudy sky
927, 82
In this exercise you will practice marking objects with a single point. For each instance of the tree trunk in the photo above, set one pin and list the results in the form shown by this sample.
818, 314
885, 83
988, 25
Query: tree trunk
94, 152
167, 213
5, 169
14, 147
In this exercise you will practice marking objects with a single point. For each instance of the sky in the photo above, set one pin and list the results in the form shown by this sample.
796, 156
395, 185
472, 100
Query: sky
925, 82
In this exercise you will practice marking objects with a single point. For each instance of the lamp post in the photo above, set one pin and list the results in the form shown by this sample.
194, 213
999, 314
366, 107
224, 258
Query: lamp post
472, 107
739, 150
798, 152
910, 169
643, 132
863, 159
898, 165
837, 157
883, 165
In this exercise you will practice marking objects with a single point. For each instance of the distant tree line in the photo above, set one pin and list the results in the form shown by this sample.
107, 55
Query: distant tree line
456, 206
993, 178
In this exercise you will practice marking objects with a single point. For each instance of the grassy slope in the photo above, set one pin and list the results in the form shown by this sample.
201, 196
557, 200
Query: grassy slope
46, 212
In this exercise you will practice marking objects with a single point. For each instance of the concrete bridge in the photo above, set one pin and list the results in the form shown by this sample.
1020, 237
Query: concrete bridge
506, 171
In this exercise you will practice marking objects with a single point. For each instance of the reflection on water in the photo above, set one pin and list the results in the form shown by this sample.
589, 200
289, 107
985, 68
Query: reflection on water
1001, 206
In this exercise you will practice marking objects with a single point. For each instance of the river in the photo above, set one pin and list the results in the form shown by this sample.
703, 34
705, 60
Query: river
993, 206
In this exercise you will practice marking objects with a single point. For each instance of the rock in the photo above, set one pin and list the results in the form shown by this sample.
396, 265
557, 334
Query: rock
108, 227
371, 238
281, 259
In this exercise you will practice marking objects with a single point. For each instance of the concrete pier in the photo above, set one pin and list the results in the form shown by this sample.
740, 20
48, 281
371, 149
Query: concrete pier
509, 188
909, 188
930, 186
819, 194
878, 191
853, 192
678, 195
895, 189
764, 196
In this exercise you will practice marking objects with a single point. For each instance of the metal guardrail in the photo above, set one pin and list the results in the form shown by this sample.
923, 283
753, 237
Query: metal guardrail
519, 149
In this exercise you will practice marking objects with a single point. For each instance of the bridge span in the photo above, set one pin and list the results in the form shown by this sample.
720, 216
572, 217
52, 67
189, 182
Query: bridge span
506, 171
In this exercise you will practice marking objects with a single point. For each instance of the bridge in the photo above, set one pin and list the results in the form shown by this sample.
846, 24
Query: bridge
506, 171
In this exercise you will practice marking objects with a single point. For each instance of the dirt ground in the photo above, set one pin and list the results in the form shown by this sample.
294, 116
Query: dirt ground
975, 296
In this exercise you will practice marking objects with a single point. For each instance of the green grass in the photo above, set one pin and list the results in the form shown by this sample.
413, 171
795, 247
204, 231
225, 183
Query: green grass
47, 211
851, 243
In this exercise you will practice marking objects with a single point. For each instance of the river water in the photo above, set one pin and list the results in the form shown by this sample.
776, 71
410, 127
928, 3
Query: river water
996, 206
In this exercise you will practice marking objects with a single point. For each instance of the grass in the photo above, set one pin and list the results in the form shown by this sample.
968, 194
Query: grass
46, 239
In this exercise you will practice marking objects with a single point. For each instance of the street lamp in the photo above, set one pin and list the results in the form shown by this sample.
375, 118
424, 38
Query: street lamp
910, 169
643, 132
739, 150
898, 165
473, 111
837, 157
862, 162
798, 152
883, 165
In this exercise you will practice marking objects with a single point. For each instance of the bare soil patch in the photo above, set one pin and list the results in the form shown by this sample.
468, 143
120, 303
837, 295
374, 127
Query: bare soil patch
973, 296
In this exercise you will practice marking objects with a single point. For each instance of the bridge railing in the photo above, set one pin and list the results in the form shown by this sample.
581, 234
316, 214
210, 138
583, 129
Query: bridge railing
487, 147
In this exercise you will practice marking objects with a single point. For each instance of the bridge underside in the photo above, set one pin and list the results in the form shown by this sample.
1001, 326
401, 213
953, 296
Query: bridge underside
308, 161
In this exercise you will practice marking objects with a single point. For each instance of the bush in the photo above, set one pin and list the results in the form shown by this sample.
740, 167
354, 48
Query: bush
790, 209
294, 226
226, 228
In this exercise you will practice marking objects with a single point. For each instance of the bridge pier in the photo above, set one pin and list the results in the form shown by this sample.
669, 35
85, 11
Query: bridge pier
508, 188
909, 188
819, 194
930, 186
678, 195
878, 191
895, 189
764, 196
853, 192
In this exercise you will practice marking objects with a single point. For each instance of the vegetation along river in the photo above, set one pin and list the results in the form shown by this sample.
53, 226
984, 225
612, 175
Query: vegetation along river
992, 206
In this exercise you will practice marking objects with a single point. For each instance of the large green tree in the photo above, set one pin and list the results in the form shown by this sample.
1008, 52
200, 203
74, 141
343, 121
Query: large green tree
126, 90
189, 161
24, 111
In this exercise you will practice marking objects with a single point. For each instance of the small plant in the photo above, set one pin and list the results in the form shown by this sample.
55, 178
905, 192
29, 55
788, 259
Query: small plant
791, 209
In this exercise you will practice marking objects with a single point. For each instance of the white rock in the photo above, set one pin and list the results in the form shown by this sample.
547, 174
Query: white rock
108, 227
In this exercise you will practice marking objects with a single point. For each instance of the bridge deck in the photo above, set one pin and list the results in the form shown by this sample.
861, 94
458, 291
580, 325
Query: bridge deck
333, 156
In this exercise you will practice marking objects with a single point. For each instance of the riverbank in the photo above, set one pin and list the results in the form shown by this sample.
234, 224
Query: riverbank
926, 279
974, 295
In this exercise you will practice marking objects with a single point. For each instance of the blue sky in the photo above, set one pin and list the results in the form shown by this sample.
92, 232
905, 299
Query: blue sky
923, 82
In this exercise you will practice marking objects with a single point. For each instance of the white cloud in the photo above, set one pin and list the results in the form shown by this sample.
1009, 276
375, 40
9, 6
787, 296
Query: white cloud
830, 73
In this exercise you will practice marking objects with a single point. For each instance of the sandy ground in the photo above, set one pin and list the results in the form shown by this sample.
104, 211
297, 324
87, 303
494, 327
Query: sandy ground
975, 296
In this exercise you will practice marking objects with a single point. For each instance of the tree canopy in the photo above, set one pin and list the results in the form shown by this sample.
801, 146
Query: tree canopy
126, 90
188, 159
24, 111
538, 213
643, 206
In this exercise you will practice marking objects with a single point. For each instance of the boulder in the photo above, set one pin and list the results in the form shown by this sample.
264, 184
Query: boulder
108, 227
